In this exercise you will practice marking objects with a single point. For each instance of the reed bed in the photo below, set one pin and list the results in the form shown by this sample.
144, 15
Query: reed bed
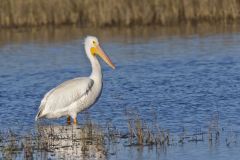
16, 13
94, 141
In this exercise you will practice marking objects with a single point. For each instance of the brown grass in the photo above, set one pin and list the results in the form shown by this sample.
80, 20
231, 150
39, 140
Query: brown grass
93, 140
15, 13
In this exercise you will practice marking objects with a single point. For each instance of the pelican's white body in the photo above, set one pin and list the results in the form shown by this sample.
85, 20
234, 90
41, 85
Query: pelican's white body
75, 95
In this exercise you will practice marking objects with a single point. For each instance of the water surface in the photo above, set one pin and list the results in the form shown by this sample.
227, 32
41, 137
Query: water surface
180, 76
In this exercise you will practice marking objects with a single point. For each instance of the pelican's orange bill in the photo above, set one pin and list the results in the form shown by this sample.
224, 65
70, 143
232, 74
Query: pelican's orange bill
101, 53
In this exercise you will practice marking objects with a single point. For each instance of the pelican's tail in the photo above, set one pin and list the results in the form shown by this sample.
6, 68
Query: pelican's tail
39, 114
42, 105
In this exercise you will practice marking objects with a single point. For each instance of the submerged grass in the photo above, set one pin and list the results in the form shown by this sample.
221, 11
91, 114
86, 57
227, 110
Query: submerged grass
93, 141
15, 13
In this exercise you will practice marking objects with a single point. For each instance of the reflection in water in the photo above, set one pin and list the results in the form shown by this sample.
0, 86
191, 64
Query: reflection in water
66, 33
71, 142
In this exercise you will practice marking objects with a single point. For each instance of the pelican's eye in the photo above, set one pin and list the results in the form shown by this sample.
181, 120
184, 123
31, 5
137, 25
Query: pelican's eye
94, 42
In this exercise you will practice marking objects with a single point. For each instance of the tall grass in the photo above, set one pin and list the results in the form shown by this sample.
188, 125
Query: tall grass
116, 12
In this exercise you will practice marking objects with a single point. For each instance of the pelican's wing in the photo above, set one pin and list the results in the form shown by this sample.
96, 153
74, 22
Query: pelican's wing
64, 94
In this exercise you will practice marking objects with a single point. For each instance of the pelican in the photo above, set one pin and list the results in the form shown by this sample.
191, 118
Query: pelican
78, 94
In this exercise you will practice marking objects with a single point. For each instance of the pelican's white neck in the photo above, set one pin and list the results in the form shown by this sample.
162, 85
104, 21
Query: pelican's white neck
96, 68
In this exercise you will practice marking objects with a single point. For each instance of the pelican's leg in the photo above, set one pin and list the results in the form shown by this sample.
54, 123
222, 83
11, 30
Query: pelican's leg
75, 121
68, 120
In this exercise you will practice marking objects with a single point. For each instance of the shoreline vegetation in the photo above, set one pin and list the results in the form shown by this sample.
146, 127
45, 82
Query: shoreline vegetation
92, 140
102, 13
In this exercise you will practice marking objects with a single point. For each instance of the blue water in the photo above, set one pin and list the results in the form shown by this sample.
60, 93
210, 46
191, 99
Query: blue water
183, 80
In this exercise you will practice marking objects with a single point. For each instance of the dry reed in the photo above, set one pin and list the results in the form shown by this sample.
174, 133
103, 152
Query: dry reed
92, 140
15, 13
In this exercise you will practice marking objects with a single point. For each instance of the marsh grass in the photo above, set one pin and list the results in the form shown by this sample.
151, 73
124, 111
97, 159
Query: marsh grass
214, 129
15, 13
89, 139
10, 145
141, 133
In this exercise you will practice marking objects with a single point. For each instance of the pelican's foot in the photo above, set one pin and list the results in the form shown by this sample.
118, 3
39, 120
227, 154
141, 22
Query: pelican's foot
68, 120
75, 121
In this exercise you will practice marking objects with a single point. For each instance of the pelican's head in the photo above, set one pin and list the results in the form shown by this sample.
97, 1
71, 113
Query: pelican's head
92, 44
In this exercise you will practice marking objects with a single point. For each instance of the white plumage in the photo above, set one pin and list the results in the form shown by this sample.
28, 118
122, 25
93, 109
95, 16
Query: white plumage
78, 94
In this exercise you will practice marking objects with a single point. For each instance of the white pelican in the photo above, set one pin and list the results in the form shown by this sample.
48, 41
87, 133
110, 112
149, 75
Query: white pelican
78, 94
